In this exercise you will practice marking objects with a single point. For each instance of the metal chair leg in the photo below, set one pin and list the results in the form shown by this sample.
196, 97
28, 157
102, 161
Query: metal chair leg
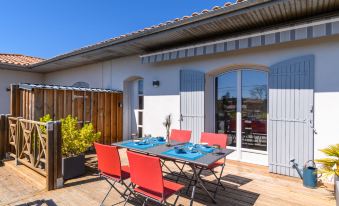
102, 202
176, 200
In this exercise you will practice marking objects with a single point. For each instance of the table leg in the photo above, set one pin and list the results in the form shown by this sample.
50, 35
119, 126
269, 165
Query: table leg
201, 183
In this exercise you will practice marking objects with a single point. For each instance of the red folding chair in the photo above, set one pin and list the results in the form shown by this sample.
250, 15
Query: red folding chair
109, 166
180, 136
220, 140
146, 175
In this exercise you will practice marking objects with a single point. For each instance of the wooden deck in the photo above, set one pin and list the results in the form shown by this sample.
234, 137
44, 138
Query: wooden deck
246, 184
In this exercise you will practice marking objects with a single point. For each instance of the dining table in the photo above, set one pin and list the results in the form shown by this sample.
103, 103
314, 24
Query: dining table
201, 158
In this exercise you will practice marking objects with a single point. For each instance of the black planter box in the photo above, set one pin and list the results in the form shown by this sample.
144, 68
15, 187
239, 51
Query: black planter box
73, 166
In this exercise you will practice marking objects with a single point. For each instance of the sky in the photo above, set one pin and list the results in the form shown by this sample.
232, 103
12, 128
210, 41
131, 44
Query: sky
46, 28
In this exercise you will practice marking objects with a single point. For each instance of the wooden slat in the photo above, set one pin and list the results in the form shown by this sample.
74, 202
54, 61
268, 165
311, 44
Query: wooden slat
114, 108
38, 101
95, 110
119, 118
107, 118
15, 100
100, 123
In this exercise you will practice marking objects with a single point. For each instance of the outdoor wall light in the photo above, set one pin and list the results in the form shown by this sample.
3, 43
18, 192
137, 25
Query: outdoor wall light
156, 83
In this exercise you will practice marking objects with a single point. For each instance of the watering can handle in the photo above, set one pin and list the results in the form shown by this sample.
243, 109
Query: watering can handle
313, 163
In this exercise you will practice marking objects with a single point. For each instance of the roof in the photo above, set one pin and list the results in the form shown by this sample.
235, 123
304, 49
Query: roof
216, 23
19, 59
30, 86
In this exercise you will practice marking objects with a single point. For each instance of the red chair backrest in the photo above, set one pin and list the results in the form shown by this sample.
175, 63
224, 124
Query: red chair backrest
146, 172
108, 159
212, 139
180, 135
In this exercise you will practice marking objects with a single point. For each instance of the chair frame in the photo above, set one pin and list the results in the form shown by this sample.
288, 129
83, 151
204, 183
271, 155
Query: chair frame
147, 198
119, 180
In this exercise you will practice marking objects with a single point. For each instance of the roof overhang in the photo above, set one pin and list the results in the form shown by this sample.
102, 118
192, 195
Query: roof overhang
219, 24
292, 33
14, 67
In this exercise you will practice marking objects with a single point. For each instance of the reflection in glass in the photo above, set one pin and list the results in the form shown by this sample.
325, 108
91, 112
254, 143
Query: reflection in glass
254, 110
226, 105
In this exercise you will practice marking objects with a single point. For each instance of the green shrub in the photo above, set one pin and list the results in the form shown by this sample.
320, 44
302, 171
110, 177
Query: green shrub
75, 141
46, 118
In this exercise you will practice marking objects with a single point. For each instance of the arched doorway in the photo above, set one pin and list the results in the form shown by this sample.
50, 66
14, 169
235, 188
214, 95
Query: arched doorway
133, 106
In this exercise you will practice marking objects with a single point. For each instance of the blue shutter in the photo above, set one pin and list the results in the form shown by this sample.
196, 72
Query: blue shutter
192, 86
291, 95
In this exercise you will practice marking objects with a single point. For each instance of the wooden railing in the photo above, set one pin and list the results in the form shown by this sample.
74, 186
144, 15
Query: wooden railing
34, 144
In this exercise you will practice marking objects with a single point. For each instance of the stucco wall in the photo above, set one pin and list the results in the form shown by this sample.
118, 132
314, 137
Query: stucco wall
165, 99
8, 77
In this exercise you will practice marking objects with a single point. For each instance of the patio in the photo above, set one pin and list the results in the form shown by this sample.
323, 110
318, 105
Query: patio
246, 184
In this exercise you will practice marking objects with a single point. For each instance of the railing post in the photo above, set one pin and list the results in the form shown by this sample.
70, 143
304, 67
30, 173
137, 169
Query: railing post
7, 145
18, 140
2, 137
58, 178
50, 156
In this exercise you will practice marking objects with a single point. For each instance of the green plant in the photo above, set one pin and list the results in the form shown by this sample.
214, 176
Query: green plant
46, 118
330, 164
76, 141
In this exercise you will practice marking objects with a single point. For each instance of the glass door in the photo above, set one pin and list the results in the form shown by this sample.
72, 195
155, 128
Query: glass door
241, 102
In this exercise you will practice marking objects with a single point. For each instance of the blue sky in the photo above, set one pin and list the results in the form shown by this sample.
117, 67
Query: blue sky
49, 28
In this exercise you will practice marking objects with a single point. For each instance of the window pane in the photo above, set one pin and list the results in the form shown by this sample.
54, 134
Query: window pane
226, 105
141, 102
254, 110
140, 86
140, 118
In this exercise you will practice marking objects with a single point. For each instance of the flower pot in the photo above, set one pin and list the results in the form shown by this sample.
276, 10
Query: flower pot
73, 166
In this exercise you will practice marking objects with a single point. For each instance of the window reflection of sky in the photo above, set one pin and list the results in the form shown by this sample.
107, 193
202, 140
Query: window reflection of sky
251, 79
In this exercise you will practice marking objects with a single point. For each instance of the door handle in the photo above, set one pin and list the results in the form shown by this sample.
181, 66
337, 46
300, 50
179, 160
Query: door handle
181, 118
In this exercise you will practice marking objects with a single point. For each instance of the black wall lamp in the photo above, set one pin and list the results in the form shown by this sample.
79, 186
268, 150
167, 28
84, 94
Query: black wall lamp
156, 83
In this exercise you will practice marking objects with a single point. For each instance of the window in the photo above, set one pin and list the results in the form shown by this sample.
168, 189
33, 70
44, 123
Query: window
140, 106
253, 108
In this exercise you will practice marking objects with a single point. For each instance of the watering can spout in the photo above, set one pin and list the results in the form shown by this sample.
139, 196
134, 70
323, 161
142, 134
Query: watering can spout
295, 166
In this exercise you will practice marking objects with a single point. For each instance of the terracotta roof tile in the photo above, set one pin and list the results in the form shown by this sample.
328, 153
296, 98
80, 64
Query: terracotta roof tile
19, 59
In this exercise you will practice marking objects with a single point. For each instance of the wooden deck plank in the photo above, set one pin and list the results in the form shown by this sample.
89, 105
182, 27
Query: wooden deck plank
246, 184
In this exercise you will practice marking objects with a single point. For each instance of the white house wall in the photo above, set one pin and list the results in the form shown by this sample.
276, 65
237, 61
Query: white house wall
165, 99
8, 77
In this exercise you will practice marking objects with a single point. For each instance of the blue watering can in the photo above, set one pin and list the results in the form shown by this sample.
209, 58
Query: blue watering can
309, 173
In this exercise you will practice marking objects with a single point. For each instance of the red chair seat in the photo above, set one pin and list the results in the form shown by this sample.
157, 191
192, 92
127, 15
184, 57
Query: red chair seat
125, 174
169, 189
216, 164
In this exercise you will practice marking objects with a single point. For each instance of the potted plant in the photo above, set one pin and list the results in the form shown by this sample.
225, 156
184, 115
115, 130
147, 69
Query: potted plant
75, 142
330, 164
167, 123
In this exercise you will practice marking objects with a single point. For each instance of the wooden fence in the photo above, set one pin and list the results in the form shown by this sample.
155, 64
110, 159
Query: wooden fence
101, 107
34, 144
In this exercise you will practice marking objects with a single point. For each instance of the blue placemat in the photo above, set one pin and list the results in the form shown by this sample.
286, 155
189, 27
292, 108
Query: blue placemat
144, 146
206, 149
188, 155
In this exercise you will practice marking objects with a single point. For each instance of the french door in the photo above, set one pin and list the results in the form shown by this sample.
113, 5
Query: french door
241, 109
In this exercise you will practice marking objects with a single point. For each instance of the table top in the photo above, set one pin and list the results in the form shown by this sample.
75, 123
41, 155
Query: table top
206, 160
